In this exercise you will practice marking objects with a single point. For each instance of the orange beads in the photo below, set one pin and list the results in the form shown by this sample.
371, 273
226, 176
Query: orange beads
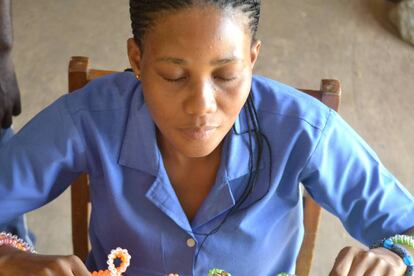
118, 253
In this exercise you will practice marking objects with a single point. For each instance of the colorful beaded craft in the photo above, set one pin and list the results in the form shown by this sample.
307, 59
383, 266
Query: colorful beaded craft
120, 254
404, 240
218, 272
16, 242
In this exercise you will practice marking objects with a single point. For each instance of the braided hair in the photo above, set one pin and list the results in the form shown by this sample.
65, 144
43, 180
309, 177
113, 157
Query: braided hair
145, 12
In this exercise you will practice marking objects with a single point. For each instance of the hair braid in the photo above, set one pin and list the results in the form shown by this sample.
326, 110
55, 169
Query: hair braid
144, 12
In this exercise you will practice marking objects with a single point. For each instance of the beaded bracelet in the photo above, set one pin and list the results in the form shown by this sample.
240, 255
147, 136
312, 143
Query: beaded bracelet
15, 241
400, 251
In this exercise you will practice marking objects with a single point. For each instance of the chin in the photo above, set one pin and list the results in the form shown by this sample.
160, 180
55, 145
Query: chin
200, 146
198, 151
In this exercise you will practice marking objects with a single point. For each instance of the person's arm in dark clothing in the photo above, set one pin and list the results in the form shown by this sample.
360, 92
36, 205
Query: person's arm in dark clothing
9, 90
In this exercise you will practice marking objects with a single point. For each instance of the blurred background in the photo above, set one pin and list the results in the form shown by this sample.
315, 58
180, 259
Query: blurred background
303, 42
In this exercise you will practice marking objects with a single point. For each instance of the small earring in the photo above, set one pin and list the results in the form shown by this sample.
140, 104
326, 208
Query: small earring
138, 76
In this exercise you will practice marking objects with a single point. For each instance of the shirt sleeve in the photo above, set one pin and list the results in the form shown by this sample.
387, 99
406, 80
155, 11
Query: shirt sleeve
346, 177
40, 161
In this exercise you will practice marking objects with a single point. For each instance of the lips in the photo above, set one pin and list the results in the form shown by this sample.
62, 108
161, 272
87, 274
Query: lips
199, 133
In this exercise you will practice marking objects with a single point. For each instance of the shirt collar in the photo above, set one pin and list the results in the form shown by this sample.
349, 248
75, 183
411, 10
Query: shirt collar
139, 147
238, 152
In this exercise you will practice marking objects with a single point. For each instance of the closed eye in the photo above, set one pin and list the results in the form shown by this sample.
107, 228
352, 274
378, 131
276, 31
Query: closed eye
174, 80
225, 79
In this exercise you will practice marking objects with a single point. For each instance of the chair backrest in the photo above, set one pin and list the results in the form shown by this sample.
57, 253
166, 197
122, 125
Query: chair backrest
80, 74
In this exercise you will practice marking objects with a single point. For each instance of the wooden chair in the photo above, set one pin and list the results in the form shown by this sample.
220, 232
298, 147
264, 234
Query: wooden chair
80, 74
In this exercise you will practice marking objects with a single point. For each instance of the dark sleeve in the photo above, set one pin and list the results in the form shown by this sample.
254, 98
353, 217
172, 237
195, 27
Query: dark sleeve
9, 90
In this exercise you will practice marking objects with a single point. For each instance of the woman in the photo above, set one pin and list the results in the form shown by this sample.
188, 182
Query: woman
195, 163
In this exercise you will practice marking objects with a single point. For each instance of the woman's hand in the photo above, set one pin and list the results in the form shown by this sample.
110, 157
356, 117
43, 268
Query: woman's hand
16, 262
357, 262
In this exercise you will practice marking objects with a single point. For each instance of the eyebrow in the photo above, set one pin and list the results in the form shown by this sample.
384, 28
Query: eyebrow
174, 60
226, 60
180, 61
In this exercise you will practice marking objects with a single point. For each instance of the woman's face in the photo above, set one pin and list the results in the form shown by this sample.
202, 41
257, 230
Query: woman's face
196, 70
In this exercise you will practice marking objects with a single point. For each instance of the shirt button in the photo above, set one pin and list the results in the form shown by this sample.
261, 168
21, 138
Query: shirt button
191, 243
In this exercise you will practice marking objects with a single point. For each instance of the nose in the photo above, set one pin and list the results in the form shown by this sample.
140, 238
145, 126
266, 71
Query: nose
201, 99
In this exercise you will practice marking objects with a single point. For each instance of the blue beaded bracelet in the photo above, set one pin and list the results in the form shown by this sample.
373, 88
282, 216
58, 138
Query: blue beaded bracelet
400, 251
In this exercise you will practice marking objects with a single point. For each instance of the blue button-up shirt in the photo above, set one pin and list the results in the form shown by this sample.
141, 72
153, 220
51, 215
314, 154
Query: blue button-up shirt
105, 129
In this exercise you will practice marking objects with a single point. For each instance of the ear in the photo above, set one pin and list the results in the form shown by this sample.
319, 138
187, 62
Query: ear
134, 56
254, 52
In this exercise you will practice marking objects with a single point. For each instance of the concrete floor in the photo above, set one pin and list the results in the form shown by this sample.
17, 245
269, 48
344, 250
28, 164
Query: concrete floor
304, 41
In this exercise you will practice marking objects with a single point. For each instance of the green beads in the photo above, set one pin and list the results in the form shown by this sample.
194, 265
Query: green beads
218, 272
404, 240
